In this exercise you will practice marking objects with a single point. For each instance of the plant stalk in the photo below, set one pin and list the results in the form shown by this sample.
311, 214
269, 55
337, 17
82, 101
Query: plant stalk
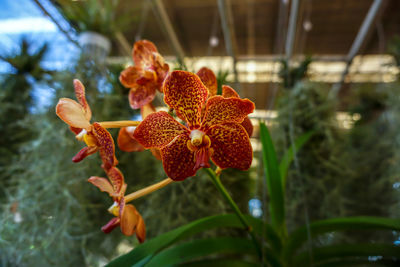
118, 124
221, 188
147, 190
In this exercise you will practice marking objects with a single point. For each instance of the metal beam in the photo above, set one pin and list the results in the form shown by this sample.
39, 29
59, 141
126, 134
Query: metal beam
67, 34
165, 23
228, 29
359, 41
291, 29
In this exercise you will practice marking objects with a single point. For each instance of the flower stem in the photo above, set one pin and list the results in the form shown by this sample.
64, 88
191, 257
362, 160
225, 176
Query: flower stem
217, 182
147, 190
118, 124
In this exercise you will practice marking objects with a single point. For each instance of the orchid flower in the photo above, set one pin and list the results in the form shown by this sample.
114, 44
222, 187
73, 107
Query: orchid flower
217, 134
126, 215
77, 115
146, 76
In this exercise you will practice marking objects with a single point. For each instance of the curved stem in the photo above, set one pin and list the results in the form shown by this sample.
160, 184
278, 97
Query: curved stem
118, 124
147, 190
221, 188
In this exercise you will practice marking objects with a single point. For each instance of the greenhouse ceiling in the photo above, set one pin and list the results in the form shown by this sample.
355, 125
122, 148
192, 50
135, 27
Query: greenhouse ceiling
346, 39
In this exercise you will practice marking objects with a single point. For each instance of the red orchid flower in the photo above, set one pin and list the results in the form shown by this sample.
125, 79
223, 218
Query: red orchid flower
217, 135
126, 141
146, 76
77, 115
126, 215
208, 78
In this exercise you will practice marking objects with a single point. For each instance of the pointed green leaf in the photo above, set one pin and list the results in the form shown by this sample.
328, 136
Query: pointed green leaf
298, 237
289, 156
339, 252
143, 253
201, 248
273, 180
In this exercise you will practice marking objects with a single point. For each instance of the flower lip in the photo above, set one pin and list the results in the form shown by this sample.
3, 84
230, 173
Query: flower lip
196, 137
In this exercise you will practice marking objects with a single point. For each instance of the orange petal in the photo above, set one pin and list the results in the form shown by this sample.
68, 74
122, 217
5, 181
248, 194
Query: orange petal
80, 96
146, 110
143, 53
129, 76
208, 78
228, 91
156, 153
223, 110
103, 184
140, 95
129, 220
72, 113
186, 94
75, 130
116, 178
178, 160
158, 129
106, 145
231, 145
84, 152
248, 126
161, 69
114, 222
141, 230
126, 142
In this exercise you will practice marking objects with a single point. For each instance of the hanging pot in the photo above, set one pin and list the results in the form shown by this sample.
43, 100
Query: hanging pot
94, 45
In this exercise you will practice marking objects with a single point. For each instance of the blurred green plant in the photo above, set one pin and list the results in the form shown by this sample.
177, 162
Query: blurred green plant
16, 99
105, 17
291, 75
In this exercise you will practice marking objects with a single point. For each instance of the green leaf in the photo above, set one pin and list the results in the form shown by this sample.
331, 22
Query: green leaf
289, 155
339, 252
200, 248
145, 251
299, 236
220, 263
273, 180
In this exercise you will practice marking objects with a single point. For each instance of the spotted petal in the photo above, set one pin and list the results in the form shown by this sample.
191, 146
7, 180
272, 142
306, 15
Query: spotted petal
186, 94
72, 113
228, 91
129, 76
129, 220
161, 68
208, 78
126, 142
178, 160
117, 179
231, 145
157, 130
143, 53
106, 146
81, 97
223, 110
140, 95
103, 184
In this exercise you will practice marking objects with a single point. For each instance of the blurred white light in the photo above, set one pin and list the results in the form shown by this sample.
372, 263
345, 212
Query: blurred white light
285, 2
251, 66
214, 41
26, 25
307, 25
251, 77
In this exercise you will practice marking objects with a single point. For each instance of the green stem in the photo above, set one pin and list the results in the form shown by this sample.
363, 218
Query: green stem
221, 188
